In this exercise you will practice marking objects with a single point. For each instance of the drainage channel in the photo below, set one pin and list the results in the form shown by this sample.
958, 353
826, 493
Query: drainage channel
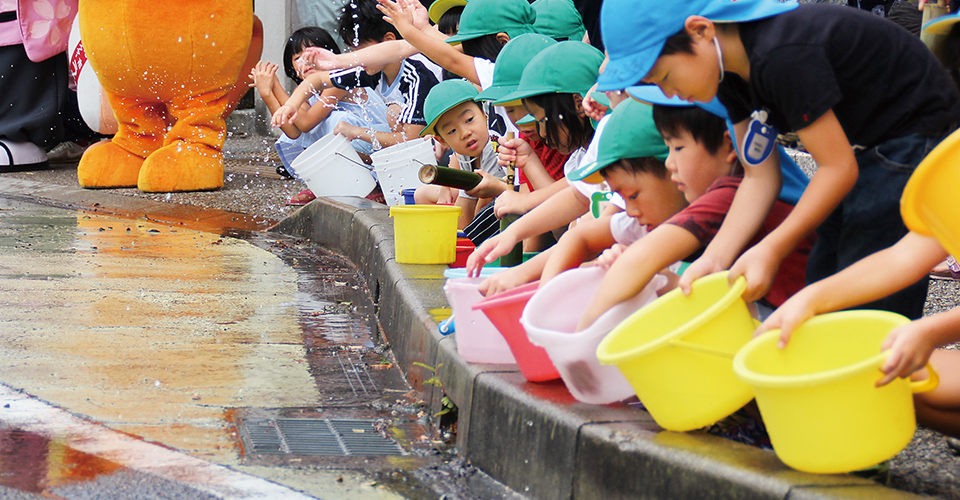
256, 351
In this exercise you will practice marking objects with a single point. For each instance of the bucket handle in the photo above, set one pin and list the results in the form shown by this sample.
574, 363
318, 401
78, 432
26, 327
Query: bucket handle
706, 350
928, 384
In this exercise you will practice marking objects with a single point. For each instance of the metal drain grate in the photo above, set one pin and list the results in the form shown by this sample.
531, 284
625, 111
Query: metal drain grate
357, 375
315, 436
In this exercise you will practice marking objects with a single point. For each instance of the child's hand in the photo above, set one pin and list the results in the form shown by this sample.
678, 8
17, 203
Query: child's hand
320, 58
910, 349
705, 265
610, 255
489, 251
793, 313
263, 74
285, 115
513, 150
759, 266
489, 186
510, 202
397, 15
592, 108
502, 281
420, 14
349, 131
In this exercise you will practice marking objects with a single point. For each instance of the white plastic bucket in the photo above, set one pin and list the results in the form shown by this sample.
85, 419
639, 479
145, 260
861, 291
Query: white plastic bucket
398, 166
551, 317
478, 341
331, 167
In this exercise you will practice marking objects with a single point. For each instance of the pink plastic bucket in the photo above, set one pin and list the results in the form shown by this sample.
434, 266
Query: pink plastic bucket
478, 341
504, 310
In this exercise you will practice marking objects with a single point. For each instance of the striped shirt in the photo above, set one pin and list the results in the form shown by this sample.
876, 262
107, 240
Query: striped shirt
413, 83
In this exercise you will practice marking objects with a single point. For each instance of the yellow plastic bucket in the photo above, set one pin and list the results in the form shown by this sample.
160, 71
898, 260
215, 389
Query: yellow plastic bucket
677, 353
425, 234
928, 205
817, 396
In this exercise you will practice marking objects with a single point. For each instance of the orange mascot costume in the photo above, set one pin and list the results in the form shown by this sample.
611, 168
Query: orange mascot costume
160, 60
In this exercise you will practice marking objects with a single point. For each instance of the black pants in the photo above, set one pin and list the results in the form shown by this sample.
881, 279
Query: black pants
31, 97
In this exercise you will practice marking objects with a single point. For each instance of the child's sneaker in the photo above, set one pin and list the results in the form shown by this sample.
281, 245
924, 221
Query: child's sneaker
949, 268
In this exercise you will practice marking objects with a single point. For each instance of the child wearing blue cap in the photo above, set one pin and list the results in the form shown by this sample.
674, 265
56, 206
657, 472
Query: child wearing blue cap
812, 69
704, 164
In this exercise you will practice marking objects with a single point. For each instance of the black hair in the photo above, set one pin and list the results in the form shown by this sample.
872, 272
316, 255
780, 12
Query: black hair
705, 127
485, 47
563, 108
449, 22
949, 54
644, 165
301, 39
361, 21
679, 42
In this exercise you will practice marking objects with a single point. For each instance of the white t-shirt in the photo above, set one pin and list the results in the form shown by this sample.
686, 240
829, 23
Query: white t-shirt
626, 229
498, 121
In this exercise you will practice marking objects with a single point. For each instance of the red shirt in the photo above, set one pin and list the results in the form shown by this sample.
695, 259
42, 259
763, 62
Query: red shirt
703, 218
552, 160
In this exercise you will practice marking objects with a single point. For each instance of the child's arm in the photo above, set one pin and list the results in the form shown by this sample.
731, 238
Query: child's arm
378, 54
870, 278
636, 267
755, 196
429, 41
586, 239
515, 276
836, 174
264, 76
289, 111
557, 211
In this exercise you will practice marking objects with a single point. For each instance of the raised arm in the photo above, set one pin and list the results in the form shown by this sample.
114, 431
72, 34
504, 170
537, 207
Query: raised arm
429, 41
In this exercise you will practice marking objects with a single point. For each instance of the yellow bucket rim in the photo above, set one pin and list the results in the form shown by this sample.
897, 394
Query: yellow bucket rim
439, 209
818, 378
607, 358
911, 201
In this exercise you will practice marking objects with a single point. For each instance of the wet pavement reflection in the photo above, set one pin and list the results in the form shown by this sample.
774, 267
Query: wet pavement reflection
171, 334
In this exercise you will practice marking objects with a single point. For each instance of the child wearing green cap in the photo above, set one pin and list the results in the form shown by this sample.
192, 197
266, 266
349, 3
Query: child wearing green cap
458, 122
629, 143
812, 69
704, 164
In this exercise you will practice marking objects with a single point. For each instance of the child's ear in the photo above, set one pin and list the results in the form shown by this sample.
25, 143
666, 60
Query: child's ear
578, 105
389, 36
699, 27
439, 139
503, 38
727, 145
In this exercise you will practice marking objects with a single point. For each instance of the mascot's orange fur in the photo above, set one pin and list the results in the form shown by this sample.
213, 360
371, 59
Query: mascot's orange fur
160, 60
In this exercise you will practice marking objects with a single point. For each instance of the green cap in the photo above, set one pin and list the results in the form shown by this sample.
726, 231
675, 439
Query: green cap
526, 119
440, 7
485, 17
514, 56
559, 19
443, 97
567, 67
628, 133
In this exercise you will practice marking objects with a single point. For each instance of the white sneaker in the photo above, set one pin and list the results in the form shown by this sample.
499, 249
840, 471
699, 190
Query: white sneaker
66, 152
17, 156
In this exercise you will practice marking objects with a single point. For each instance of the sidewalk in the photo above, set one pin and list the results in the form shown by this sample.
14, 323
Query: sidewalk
533, 437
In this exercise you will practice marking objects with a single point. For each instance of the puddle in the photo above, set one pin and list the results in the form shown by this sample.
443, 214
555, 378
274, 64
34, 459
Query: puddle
36, 464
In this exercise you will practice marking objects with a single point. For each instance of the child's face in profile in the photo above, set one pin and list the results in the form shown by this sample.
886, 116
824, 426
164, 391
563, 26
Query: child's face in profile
517, 112
464, 129
692, 167
303, 67
649, 199
691, 77
563, 138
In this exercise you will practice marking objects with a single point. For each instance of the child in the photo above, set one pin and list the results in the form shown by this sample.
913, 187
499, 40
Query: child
631, 146
704, 164
458, 122
814, 70
912, 345
552, 87
403, 84
325, 111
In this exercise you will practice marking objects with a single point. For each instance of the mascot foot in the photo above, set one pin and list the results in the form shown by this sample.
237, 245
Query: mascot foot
182, 167
106, 165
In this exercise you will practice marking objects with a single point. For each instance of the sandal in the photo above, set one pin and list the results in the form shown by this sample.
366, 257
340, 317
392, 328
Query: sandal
302, 198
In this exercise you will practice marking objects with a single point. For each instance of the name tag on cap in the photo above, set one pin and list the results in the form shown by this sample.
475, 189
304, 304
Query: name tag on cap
760, 139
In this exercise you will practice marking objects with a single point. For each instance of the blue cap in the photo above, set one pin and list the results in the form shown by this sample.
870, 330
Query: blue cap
634, 42
652, 94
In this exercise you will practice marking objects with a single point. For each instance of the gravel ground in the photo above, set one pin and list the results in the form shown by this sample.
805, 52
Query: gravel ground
927, 466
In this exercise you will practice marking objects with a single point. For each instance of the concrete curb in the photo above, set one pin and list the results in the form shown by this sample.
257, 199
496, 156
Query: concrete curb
535, 437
